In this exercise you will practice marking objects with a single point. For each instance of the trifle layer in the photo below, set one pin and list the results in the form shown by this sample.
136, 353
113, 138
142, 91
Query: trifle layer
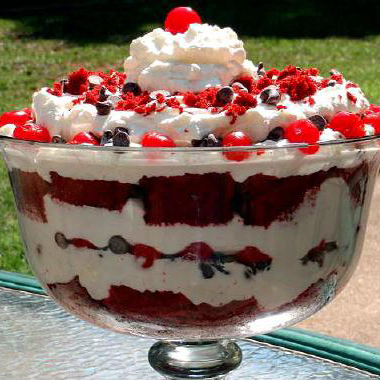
256, 244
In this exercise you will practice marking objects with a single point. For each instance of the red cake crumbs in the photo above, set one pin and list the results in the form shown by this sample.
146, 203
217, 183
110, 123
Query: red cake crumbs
264, 82
288, 71
280, 107
252, 255
337, 77
247, 81
351, 97
246, 100
298, 86
234, 110
77, 82
311, 101
203, 99
174, 103
272, 72
56, 90
148, 253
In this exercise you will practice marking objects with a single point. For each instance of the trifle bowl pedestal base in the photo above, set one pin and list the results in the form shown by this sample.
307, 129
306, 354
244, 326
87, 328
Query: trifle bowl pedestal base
195, 360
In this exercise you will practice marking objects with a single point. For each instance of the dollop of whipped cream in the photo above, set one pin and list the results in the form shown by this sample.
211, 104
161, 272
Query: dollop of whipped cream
203, 56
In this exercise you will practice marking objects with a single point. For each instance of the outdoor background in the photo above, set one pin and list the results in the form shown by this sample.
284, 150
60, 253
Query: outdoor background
42, 41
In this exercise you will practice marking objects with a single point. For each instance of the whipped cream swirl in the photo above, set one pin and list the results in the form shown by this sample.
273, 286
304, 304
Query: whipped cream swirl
203, 56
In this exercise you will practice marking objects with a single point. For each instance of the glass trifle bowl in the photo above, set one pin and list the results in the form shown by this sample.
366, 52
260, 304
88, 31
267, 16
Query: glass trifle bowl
187, 247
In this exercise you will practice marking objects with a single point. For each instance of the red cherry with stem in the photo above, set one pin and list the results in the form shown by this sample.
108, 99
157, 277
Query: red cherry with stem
84, 138
303, 131
236, 139
32, 132
348, 124
155, 139
179, 19
18, 118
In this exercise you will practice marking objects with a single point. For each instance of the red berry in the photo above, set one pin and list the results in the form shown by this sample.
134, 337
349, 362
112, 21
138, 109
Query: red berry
179, 19
348, 124
374, 120
303, 131
236, 139
32, 132
84, 138
155, 139
148, 253
18, 118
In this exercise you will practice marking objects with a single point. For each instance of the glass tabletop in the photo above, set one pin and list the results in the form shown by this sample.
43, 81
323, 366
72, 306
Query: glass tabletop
40, 341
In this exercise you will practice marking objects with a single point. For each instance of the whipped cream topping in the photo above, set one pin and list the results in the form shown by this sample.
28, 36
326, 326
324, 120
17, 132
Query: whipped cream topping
61, 117
203, 56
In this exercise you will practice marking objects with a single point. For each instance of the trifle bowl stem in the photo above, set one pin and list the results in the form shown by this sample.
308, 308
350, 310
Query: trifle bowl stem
195, 360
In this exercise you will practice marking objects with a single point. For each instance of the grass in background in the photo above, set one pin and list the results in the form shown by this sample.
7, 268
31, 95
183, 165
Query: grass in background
28, 62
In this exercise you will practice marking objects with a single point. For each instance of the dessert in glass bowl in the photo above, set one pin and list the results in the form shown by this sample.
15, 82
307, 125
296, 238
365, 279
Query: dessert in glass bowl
195, 197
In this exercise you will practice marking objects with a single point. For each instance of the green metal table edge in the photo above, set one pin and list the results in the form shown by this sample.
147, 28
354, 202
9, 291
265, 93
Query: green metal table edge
335, 349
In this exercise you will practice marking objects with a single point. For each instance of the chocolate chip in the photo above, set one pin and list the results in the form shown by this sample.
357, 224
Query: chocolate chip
107, 137
121, 139
118, 245
239, 86
319, 121
103, 108
260, 69
276, 134
61, 240
207, 141
57, 139
225, 95
331, 83
103, 94
121, 129
64, 85
207, 271
270, 95
131, 87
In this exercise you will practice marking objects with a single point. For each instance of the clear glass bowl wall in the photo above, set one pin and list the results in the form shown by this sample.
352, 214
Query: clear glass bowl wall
186, 244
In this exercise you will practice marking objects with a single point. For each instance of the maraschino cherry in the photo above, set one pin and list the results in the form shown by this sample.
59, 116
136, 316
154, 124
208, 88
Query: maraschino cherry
236, 138
32, 132
155, 139
84, 138
179, 19
18, 118
303, 131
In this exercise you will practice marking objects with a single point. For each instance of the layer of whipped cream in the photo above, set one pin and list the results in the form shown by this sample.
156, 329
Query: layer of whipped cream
331, 217
62, 117
203, 56
129, 167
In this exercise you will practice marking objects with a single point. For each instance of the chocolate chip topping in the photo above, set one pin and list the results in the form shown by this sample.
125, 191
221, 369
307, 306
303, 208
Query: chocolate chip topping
64, 85
121, 129
57, 139
319, 121
240, 86
61, 240
331, 83
131, 87
260, 69
270, 95
107, 137
207, 141
121, 139
103, 108
225, 95
207, 271
103, 94
276, 134
118, 245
